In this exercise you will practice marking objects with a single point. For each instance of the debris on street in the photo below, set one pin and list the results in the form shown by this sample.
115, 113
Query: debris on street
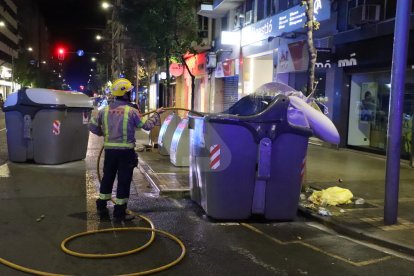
360, 201
332, 196
324, 212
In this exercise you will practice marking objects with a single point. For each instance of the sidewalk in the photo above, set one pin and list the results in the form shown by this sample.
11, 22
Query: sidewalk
362, 173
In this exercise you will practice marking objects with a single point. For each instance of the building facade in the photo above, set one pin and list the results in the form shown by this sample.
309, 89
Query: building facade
9, 40
260, 41
364, 48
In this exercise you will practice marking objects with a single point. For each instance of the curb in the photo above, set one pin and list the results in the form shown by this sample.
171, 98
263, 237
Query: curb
356, 233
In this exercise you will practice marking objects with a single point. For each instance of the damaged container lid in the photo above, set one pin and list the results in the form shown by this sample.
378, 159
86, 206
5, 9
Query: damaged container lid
47, 98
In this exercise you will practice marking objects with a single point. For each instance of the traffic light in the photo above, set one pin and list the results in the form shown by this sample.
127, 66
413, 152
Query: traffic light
61, 51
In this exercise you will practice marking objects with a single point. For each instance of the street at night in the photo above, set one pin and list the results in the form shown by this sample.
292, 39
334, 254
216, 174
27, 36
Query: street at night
225, 137
65, 196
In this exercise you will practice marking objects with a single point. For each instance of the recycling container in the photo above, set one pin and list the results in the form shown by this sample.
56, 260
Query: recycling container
248, 160
47, 126
180, 145
166, 133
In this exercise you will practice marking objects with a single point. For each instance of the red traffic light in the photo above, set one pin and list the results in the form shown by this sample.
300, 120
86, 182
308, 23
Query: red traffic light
61, 51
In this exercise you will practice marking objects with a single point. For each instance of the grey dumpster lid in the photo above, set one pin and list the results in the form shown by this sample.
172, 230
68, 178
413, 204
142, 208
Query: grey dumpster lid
53, 97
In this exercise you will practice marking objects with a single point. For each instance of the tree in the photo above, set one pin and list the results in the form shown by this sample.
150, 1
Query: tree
29, 73
24, 72
165, 28
311, 25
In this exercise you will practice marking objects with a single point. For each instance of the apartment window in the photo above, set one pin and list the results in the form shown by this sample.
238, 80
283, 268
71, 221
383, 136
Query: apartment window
249, 5
260, 10
361, 12
268, 7
391, 9
249, 16
224, 24
265, 9
276, 6
202, 26
292, 3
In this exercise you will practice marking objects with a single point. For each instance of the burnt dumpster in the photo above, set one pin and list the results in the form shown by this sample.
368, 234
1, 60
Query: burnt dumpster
47, 126
248, 160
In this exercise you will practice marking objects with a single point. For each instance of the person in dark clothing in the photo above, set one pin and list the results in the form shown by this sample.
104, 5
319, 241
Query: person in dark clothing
117, 124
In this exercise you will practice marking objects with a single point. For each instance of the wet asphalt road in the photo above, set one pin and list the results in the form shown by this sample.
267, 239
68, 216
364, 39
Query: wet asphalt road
3, 142
65, 195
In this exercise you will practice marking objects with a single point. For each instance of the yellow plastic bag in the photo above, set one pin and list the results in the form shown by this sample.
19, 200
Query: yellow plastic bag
331, 196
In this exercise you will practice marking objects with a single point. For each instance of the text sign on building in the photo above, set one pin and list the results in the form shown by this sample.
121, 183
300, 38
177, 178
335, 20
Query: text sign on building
287, 21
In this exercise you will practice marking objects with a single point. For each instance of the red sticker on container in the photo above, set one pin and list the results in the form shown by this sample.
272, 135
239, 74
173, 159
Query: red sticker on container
214, 156
56, 127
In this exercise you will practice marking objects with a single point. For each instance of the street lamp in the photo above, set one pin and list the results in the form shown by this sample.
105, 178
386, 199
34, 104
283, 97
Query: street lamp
2, 24
93, 59
106, 5
98, 37
30, 49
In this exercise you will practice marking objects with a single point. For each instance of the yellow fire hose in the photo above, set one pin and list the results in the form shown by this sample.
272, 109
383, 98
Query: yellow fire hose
174, 108
152, 229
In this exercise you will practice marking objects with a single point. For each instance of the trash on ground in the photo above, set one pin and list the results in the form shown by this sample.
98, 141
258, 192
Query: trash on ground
324, 212
360, 201
332, 196
302, 271
342, 210
308, 189
302, 196
308, 206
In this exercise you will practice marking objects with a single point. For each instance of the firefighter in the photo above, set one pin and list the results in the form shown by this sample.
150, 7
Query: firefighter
117, 124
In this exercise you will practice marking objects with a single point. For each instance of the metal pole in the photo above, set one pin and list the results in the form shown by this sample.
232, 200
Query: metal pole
399, 64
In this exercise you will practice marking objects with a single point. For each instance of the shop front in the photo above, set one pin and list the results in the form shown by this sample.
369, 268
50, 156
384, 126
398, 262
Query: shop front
368, 81
197, 65
275, 49
226, 80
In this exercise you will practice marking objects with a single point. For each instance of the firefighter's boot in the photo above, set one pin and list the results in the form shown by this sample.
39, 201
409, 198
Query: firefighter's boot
120, 213
101, 206
103, 212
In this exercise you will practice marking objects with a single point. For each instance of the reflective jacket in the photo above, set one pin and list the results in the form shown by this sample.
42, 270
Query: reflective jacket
118, 122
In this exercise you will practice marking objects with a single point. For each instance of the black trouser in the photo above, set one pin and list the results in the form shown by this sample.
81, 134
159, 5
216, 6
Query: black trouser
123, 162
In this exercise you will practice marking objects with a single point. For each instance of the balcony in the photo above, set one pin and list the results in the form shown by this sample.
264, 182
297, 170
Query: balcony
219, 8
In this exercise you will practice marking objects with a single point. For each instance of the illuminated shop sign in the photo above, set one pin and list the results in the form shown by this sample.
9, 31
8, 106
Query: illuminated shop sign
284, 22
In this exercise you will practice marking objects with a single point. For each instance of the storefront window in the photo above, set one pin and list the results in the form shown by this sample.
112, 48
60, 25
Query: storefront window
368, 112
320, 96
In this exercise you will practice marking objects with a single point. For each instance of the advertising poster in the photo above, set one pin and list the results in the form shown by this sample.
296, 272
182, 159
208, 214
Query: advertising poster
219, 73
292, 57
228, 68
